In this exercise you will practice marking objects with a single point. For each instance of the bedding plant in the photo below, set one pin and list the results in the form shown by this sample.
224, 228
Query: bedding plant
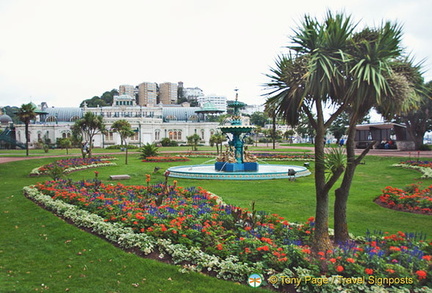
199, 232
74, 164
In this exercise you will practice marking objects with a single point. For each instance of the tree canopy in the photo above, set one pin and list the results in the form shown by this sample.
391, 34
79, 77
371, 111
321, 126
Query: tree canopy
330, 64
105, 100
26, 114
86, 128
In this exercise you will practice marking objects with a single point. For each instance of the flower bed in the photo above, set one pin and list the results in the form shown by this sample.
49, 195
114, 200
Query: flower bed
411, 199
166, 159
74, 164
425, 167
201, 233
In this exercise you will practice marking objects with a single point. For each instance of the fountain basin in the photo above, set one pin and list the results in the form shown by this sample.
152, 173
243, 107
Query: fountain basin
265, 172
236, 167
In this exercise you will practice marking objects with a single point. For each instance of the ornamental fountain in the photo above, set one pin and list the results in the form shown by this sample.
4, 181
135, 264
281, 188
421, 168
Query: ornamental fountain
237, 163
236, 158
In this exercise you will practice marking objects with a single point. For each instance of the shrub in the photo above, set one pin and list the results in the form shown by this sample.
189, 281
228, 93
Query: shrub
425, 147
168, 142
149, 150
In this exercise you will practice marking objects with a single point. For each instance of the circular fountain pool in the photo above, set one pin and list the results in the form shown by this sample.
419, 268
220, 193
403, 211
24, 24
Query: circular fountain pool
267, 171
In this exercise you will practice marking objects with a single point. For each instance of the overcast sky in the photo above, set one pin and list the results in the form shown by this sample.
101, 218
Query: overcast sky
63, 52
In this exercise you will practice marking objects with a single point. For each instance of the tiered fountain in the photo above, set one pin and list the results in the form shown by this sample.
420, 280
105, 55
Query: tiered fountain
236, 158
237, 163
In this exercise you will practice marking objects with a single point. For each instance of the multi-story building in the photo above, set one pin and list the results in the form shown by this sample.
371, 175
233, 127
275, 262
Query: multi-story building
250, 109
147, 94
192, 94
220, 102
127, 89
168, 93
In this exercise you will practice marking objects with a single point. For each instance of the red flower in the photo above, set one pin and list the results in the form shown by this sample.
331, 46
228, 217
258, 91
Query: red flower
421, 274
265, 248
219, 246
333, 260
394, 248
427, 257
351, 260
340, 269
306, 250
369, 271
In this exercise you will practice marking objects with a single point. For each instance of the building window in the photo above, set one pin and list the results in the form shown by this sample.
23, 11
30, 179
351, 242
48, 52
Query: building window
51, 119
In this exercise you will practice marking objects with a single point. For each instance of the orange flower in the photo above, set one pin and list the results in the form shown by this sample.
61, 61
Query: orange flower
421, 275
219, 246
333, 260
265, 248
427, 257
369, 271
351, 260
340, 269
306, 250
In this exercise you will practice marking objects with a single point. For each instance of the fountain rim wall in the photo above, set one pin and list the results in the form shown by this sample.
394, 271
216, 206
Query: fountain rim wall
188, 172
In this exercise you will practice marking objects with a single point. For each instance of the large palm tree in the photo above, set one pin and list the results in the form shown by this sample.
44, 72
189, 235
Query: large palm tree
353, 72
27, 113
305, 82
371, 82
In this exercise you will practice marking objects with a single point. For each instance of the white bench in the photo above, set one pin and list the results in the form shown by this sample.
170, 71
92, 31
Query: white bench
119, 177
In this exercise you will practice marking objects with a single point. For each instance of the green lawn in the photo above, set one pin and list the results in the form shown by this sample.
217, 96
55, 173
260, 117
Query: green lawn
40, 252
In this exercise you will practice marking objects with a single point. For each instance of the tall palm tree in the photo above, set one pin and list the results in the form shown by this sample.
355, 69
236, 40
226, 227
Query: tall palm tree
27, 113
306, 82
371, 82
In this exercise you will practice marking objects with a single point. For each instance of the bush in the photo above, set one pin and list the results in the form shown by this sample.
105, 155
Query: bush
168, 142
149, 150
425, 147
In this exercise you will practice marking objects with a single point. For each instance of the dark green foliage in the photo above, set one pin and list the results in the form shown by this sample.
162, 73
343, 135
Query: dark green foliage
149, 150
168, 142
105, 100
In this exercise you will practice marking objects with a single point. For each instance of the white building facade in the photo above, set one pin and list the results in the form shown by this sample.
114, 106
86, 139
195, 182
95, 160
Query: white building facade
151, 124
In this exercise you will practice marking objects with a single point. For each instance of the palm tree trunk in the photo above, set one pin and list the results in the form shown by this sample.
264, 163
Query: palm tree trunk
321, 238
27, 137
274, 131
126, 159
342, 193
